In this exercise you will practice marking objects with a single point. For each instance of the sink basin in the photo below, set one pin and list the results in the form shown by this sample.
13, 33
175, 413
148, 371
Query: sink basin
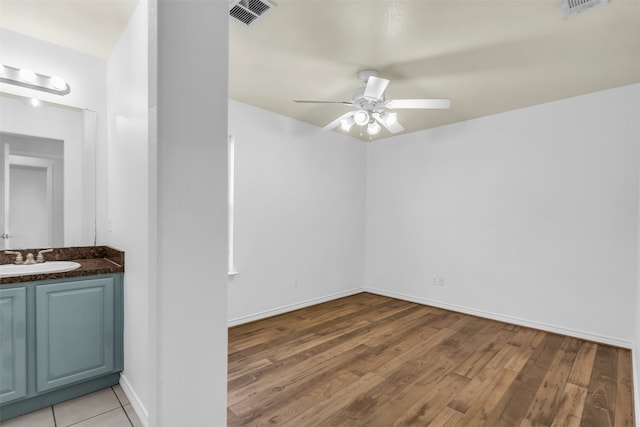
10, 270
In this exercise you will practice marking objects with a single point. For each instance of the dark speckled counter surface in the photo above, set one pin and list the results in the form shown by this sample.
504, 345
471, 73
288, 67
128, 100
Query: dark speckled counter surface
93, 260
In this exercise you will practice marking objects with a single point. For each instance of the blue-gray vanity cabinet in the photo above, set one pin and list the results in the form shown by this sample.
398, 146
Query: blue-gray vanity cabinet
59, 339
74, 331
13, 344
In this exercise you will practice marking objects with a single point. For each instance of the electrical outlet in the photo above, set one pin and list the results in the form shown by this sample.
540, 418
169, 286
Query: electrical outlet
296, 282
434, 282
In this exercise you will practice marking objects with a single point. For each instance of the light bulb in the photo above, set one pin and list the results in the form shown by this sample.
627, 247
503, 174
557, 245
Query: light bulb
347, 123
35, 102
27, 75
58, 83
361, 117
373, 128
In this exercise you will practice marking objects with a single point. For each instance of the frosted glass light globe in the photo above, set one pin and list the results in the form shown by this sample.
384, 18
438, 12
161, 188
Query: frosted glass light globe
27, 75
58, 83
373, 128
361, 117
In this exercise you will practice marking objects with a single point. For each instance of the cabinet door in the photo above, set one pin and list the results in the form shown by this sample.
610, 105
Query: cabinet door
74, 331
13, 344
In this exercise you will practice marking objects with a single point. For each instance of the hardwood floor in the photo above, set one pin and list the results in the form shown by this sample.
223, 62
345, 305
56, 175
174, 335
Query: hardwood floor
368, 360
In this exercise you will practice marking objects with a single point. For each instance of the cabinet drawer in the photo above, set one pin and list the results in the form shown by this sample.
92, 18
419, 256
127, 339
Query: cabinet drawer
74, 331
13, 344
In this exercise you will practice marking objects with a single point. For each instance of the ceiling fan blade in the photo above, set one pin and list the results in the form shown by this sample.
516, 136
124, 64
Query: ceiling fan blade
337, 121
301, 101
434, 103
375, 88
393, 127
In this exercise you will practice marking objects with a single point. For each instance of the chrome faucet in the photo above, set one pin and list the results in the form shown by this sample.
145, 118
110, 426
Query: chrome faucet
40, 257
18, 255
29, 259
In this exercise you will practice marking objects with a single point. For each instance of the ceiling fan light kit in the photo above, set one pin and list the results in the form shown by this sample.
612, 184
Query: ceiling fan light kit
361, 117
388, 118
346, 123
371, 106
373, 128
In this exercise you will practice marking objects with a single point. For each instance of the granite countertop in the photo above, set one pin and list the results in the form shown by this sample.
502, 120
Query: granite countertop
93, 260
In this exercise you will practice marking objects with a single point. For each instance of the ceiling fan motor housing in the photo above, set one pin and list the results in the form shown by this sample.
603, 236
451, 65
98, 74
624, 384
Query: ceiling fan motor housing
365, 74
357, 98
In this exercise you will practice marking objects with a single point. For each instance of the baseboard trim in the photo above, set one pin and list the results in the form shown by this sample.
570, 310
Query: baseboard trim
291, 307
134, 400
617, 342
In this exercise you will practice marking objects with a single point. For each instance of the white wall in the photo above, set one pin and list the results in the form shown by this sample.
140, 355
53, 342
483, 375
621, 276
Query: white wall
299, 213
636, 349
188, 212
128, 196
85, 74
530, 215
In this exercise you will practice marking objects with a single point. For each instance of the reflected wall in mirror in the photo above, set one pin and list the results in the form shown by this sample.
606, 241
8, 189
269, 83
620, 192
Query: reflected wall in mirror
47, 173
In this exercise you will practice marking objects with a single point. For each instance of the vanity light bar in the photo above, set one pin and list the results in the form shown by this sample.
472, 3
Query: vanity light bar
27, 78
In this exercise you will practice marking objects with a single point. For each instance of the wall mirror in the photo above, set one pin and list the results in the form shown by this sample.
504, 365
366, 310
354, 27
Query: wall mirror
47, 174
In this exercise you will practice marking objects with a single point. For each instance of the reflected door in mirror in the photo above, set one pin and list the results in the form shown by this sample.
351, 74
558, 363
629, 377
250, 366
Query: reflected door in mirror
32, 195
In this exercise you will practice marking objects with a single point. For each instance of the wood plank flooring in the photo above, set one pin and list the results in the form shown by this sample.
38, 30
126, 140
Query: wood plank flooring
368, 360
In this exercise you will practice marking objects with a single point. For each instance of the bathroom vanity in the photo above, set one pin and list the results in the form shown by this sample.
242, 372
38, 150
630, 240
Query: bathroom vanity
61, 333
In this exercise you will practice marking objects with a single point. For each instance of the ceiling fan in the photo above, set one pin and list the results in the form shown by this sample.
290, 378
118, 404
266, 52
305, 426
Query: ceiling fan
372, 107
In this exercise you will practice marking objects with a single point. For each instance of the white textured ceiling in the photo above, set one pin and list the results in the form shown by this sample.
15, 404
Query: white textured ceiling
88, 26
487, 56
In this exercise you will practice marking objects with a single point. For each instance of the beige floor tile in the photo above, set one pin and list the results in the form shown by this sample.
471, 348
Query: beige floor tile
41, 418
114, 418
81, 408
133, 417
120, 393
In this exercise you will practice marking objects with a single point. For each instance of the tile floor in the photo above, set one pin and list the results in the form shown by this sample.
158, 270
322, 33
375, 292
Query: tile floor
105, 408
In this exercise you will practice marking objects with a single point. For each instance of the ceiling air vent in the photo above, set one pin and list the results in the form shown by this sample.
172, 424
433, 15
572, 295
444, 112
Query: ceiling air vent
247, 11
573, 7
